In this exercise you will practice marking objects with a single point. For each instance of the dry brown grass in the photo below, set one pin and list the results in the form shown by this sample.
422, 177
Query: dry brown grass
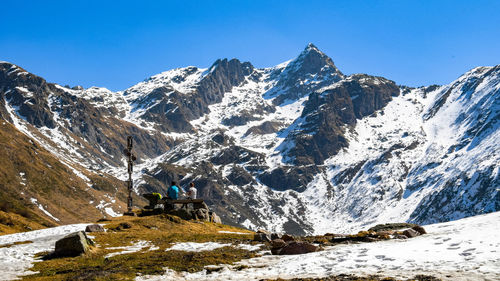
29, 171
161, 232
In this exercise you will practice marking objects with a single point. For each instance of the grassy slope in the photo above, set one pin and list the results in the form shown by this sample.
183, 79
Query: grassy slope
161, 231
29, 171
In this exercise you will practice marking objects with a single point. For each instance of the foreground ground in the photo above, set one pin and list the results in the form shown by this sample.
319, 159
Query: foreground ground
165, 248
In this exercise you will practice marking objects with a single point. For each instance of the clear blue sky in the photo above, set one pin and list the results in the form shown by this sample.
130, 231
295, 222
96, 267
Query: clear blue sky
116, 44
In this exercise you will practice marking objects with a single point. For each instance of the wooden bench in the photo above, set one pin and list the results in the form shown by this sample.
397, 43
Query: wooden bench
197, 203
154, 200
183, 201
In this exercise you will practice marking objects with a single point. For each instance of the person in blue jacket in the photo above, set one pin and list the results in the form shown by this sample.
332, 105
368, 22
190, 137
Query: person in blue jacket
173, 191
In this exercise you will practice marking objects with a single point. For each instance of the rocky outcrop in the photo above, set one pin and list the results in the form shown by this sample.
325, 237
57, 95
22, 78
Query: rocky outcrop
94, 228
73, 245
320, 130
289, 177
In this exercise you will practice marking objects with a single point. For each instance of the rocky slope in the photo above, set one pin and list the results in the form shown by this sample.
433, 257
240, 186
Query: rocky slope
299, 147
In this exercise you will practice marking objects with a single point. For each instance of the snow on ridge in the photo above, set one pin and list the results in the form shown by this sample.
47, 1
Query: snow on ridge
182, 80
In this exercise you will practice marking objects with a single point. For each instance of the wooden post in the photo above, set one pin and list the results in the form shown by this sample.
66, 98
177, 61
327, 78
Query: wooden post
130, 161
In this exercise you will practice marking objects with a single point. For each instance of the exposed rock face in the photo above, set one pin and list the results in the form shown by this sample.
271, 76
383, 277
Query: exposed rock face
171, 110
320, 130
289, 177
73, 244
48, 105
311, 70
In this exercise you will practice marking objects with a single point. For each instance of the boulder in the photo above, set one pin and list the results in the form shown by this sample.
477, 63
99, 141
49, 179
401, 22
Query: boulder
410, 233
419, 229
214, 218
278, 243
184, 213
385, 232
287, 237
94, 228
297, 248
263, 231
202, 214
399, 236
123, 225
201, 205
275, 236
73, 245
262, 237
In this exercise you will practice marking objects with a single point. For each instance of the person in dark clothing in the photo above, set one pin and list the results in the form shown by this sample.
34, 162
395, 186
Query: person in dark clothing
173, 191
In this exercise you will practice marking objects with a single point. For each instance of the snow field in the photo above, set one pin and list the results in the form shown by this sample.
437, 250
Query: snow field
466, 249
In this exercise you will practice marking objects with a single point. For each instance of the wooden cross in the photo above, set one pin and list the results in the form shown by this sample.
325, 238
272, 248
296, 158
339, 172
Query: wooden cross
131, 158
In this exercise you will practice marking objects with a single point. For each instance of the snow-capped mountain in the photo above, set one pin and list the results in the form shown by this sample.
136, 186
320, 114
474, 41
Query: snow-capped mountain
299, 147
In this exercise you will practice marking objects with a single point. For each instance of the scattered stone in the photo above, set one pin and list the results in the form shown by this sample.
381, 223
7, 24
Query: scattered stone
297, 248
202, 214
174, 219
385, 232
123, 225
94, 228
287, 237
215, 218
261, 237
73, 245
391, 226
278, 243
370, 239
275, 236
410, 233
419, 229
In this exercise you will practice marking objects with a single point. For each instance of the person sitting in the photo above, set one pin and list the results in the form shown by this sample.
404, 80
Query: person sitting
173, 191
192, 192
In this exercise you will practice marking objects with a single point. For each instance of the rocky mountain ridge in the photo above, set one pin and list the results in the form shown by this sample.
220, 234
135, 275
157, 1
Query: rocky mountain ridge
299, 147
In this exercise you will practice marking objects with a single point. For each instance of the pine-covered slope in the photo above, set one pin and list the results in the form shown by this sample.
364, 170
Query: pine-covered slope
299, 147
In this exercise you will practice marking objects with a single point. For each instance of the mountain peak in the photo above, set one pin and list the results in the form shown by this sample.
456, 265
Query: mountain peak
312, 60
311, 48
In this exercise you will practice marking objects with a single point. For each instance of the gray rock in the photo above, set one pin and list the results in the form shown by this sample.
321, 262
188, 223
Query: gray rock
94, 228
215, 218
183, 213
73, 245
202, 214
